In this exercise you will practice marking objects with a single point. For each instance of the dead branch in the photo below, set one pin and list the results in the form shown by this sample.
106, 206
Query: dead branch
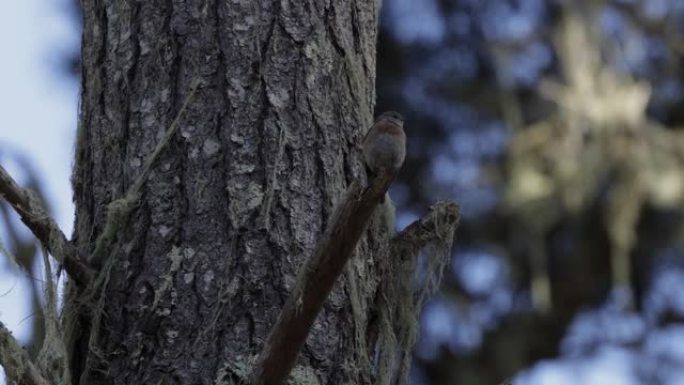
18, 366
316, 279
45, 228
402, 298
440, 223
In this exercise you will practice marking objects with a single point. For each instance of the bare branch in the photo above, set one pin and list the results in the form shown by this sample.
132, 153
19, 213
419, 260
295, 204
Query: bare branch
45, 228
316, 279
18, 366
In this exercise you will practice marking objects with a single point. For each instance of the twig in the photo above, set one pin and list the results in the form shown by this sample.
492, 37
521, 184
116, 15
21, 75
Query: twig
18, 366
45, 228
316, 279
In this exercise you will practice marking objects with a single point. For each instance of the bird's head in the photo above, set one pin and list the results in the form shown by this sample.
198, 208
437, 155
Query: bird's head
392, 117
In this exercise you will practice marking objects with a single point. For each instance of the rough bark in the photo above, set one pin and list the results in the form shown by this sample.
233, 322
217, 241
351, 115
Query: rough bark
237, 199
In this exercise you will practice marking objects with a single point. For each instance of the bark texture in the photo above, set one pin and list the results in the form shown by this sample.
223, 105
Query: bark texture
237, 199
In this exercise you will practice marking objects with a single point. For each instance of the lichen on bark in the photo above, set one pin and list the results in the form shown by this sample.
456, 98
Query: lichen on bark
194, 275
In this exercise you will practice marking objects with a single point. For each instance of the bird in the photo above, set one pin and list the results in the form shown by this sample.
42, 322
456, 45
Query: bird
384, 146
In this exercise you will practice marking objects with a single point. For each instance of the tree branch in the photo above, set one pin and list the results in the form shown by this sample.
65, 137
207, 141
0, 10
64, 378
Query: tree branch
316, 279
402, 297
18, 366
438, 225
45, 228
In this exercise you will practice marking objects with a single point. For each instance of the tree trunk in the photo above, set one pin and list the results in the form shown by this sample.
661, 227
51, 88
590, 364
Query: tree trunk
194, 277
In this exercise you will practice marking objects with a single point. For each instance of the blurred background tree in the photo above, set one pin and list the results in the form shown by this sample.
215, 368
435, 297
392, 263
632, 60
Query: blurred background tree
555, 124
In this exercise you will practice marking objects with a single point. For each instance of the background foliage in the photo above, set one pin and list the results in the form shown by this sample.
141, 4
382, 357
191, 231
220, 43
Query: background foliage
555, 124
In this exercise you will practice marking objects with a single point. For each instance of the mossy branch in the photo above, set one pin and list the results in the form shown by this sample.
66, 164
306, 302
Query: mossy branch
401, 297
15, 360
437, 226
34, 216
119, 210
